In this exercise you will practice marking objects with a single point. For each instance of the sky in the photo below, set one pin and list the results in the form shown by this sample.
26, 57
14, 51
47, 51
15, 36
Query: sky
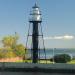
58, 21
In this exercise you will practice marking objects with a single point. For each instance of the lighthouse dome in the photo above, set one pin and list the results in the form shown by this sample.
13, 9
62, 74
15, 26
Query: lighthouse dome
36, 14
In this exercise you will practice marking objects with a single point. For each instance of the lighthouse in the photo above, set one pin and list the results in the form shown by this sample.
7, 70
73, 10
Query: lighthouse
35, 32
35, 19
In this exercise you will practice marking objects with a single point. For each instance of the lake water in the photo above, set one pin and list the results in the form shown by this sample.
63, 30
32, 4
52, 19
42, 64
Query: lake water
51, 52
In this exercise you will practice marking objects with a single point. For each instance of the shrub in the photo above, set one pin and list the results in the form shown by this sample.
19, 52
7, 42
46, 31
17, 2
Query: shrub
2, 55
62, 58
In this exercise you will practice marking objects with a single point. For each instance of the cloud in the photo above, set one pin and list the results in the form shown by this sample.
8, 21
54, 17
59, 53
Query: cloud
68, 37
58, 37
64, 37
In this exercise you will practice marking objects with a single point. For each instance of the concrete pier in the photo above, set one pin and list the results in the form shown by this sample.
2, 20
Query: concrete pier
39, 69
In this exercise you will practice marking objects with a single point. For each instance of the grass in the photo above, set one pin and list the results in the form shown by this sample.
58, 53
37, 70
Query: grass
44, 61
39, 61
71, 62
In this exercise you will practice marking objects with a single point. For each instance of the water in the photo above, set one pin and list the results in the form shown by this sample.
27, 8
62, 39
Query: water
51, 52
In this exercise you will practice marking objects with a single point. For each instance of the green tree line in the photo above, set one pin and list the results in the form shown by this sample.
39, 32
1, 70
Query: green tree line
11, 48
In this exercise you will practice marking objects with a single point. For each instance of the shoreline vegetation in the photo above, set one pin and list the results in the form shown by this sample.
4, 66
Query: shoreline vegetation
42, 61
47, 61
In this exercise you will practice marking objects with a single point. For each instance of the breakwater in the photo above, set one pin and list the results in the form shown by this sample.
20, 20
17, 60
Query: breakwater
40, 69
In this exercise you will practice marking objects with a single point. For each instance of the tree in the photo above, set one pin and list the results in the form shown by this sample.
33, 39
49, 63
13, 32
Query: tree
2, 55
11, 46
10, 53
20, 50
9, 41
62, 58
